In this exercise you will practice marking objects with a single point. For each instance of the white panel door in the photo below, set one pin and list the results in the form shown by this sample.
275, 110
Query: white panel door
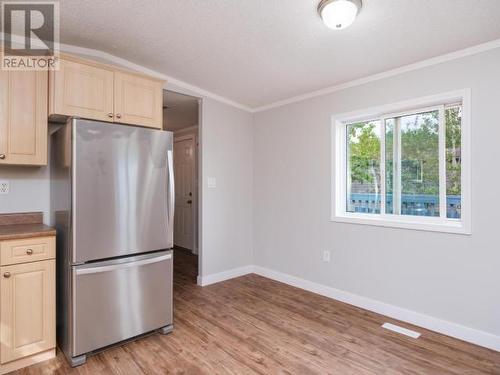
184, 163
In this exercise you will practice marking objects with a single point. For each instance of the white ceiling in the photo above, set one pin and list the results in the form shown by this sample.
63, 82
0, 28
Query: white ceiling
179, 111
256, 52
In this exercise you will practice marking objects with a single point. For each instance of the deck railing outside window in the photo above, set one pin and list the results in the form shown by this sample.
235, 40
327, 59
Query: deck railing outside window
417, 205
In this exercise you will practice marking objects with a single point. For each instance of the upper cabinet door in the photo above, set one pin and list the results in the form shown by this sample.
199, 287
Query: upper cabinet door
23, 117
81, 90
138, 100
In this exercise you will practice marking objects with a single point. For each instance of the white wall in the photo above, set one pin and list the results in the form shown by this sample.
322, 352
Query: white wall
227, 155
452, 277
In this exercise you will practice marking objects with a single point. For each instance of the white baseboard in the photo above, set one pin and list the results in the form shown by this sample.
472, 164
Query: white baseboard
222, 276
458, 331
444, 327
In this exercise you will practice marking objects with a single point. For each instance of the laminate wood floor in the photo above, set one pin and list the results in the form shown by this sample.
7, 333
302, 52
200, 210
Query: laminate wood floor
253, 325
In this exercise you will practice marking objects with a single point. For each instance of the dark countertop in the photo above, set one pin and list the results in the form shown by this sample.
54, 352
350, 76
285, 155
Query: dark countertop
17, 231
24, 225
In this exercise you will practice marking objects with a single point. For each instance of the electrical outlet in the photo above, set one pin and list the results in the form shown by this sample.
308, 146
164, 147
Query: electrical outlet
4, 187
326, 256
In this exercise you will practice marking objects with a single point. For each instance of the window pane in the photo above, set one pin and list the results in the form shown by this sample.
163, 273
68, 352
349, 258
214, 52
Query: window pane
420, 164
389, 165
363, 167
453, 162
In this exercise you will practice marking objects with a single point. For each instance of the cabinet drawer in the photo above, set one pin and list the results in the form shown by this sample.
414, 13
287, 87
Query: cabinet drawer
27, 250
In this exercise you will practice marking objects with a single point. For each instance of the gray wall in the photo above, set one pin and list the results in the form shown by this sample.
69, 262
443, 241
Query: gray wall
452, 277
271, 206
29, 190
227, 155
227, 147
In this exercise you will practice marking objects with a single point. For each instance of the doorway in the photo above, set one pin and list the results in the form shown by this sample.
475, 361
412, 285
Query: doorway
185, 190
181, 115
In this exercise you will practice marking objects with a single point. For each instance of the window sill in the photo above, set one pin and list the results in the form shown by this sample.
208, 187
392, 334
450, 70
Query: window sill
429, 224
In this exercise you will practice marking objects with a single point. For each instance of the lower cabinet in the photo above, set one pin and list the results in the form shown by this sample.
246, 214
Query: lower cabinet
27, 313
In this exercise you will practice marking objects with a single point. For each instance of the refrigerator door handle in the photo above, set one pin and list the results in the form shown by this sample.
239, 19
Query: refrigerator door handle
119, 266
171, 196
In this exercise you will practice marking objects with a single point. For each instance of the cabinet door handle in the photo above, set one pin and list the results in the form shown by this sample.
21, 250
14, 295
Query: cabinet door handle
118, 115
2, 156
29, 251
110, 115
6, 275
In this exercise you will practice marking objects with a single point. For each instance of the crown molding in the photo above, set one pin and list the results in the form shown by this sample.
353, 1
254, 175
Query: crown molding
494, 44
115, 60
108, 57
200, 92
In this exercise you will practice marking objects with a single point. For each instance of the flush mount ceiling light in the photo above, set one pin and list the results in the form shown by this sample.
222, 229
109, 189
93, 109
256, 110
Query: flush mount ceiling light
339, 14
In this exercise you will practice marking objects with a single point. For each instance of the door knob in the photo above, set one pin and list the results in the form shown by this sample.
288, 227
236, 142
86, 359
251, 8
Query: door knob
189, 201
29, 251
6, 275
2, 156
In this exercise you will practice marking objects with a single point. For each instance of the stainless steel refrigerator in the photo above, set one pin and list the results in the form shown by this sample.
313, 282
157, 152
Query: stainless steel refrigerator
112, 199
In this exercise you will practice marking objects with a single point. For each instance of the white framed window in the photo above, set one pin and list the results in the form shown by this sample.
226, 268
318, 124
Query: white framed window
405, 165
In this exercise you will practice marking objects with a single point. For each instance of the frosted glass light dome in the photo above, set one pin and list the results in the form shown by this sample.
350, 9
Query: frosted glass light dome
339, 14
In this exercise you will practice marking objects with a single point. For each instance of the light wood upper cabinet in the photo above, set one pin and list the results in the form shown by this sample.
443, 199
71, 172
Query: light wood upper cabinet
27, 311
81, 90
102, 92
138, 100
23, 117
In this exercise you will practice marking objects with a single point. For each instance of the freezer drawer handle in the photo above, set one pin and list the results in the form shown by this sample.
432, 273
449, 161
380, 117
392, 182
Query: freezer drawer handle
121, 266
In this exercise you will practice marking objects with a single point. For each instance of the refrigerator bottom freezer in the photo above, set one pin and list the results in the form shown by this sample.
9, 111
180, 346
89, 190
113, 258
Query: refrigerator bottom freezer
119, 299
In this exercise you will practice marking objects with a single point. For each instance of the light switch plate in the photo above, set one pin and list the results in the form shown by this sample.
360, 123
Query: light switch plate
212, 182
4, 187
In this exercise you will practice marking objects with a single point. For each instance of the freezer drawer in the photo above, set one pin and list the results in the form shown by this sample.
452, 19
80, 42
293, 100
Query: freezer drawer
119, 299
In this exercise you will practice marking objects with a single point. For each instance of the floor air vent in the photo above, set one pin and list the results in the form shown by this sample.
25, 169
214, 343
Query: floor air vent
401, 330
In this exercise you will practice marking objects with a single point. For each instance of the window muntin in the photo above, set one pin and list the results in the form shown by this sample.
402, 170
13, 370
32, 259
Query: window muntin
390, 125
417, 182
